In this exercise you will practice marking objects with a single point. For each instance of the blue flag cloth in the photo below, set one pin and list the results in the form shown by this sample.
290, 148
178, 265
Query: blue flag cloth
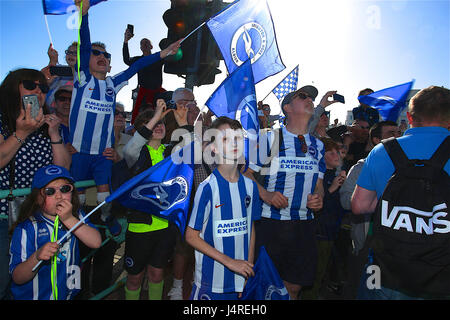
162, 190
245, 31
59, 7
389, 102
266, 284
288, 84
235, 98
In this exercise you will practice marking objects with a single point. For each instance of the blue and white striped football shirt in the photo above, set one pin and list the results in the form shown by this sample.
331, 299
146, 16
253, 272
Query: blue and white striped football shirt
292, 173
94, 101
28, 237
223, 213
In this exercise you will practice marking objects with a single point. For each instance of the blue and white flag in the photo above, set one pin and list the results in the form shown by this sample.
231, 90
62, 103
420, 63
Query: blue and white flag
58, 7
235, 98
389, 102
288, 84
162, 190
245, 31
267, 283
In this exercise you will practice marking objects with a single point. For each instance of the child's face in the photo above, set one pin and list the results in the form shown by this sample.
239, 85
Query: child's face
159, 131
229, 144
58, 187
99, 63
332, 159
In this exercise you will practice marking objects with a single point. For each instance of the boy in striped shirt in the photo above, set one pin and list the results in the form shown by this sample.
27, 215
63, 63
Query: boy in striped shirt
91, 120
221, 223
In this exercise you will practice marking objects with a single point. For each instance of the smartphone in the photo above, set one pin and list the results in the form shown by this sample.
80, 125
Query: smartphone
338, 97
130, 27
33, 100
61, 71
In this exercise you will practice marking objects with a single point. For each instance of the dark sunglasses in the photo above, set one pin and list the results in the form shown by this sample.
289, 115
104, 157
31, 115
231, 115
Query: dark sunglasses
123, 113
31, 85
96, 52
64, 99
303, 96
63, 189
71, 53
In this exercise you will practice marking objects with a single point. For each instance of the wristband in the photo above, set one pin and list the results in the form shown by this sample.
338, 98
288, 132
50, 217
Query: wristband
57, 142
18, 139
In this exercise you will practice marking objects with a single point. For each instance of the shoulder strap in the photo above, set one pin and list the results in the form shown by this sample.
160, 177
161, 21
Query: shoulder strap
395, 152
442, 154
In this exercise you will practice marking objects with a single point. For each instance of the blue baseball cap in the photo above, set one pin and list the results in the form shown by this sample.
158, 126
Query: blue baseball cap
47, 174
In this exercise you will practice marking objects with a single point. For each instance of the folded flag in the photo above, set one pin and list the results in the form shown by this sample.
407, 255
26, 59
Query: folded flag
389, 102
245, 30
266, 284
162, 190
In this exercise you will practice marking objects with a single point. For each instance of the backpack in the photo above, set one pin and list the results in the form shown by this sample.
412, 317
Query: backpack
411, 224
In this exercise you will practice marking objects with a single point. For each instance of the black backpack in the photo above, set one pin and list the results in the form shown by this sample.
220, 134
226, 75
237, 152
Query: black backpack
411, 224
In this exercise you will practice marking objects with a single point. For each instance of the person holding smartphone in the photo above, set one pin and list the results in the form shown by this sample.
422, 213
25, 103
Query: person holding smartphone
26, 144
149, 78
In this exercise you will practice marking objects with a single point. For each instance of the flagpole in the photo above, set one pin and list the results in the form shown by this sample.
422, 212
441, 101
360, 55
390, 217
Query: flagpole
70, 231
48, 29
192, 32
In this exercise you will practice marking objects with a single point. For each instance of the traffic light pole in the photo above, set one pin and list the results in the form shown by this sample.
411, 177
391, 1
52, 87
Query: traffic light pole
190, 80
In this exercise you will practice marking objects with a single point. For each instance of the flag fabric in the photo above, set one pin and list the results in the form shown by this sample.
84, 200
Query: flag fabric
389, 102
58, 7
235, 98
162, 190
267, 283
288, 84
245, 30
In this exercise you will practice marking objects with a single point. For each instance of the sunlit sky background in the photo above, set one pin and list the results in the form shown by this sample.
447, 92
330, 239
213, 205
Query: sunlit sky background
343, 45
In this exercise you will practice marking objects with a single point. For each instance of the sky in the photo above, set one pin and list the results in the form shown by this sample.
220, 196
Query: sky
343, 45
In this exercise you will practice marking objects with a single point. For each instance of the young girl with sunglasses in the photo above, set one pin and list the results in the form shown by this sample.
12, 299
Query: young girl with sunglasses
46, 215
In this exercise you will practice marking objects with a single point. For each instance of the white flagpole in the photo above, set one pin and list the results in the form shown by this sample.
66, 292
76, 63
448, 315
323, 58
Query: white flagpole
70, 231
48, 29
192, 32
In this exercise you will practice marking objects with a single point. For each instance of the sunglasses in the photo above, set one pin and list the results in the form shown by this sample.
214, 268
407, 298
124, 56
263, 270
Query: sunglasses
96, 52
64, 99
71, 53
123, 113
303, 96
31, 85
50, 191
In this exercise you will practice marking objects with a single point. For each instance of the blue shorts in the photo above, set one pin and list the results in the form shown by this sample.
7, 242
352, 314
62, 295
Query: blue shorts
91, 166
206, 294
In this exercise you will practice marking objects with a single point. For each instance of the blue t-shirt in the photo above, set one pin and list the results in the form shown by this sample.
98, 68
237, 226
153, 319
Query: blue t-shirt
417, 143
223, 213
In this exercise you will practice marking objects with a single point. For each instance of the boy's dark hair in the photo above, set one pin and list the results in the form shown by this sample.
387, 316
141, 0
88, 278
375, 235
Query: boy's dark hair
329, 144
376, 130
143, 118
430, 104
234, 124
